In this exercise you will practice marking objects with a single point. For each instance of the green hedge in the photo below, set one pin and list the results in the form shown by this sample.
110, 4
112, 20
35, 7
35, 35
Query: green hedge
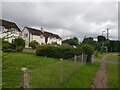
63, 51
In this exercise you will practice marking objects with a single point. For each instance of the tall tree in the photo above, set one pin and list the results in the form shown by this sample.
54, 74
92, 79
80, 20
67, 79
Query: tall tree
88, 40
101, 38
71, 41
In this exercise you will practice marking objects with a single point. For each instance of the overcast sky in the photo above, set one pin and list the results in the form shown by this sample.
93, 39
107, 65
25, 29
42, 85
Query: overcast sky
68, 19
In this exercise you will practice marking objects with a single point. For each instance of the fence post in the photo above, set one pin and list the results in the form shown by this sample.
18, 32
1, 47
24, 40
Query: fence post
82, 57
92, 58
75, 58
61, 70
25, 78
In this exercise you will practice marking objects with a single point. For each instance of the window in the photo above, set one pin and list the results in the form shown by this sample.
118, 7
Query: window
1, 28
25, 35
41, 36
50, 37
13, 30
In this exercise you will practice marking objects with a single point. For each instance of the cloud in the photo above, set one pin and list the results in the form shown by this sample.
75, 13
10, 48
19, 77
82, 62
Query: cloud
68, 19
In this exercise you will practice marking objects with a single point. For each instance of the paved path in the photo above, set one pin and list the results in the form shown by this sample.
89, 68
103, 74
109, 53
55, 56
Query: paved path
108, 61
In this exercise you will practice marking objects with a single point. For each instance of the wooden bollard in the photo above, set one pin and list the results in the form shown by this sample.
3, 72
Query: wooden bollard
75, 58
92, 58
82, 57
25, 78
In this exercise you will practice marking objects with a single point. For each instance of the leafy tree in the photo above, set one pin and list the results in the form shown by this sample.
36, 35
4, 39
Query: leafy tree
114, 46
88, 50
101, 38
71, 41
88, 40
18, 44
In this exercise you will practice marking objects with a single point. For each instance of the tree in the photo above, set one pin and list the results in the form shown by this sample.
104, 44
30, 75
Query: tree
71, 41
75, 38
88, 50
18, 44
114, 46
88, 40
101, 38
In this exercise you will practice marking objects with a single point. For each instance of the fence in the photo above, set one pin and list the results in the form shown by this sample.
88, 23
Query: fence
51, 75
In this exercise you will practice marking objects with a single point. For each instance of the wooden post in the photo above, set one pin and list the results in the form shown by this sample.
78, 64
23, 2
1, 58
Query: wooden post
61, 70
75, 58
25, 78
92, 58
82, 57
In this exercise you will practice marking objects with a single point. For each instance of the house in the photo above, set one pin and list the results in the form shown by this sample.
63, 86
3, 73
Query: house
41, 36
9, 30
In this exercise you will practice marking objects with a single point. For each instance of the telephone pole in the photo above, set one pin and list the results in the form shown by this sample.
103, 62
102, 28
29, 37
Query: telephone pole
107, 33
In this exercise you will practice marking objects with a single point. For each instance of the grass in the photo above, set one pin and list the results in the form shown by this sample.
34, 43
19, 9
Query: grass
113, 57
45, 72
113, 76
13, 62
99, 56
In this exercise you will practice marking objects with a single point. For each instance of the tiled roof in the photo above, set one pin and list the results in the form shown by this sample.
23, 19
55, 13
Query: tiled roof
38, 32
8, 24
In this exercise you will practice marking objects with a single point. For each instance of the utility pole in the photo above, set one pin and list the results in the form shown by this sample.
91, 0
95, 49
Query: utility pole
107, 33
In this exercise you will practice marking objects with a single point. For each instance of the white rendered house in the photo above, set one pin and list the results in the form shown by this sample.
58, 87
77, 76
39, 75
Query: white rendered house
41, 36
9, 30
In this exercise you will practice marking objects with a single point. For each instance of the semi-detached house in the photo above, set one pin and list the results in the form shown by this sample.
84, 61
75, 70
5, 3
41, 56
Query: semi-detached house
41, 36
9, 30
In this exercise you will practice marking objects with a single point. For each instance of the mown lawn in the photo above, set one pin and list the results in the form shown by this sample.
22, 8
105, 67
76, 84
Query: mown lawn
45, 72
113, 57
100, 55
113, 76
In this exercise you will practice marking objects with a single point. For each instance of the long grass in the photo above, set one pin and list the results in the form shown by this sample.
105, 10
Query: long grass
45, 72
113, 76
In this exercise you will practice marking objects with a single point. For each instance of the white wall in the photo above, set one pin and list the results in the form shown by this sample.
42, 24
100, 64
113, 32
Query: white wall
39, 39
12, 36
25, 31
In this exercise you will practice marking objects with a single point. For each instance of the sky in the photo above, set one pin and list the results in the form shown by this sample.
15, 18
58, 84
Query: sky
67, 19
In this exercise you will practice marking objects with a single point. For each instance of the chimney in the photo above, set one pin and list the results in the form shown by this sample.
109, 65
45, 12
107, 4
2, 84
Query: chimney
42, 30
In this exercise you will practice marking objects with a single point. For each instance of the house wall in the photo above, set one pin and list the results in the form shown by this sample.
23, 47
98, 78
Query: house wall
39, 39
57, 40
27, 39
12, 36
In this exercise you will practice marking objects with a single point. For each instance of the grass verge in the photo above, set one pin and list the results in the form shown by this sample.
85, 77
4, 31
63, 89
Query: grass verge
113, 76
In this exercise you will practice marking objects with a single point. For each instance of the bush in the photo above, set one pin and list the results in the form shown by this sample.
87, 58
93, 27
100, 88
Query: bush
34, 44
63, 51
96, 53
18, 44
88, 50
6, 46
104, 49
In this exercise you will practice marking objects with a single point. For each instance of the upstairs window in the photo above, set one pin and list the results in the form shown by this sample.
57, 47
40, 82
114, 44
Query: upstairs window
26, 35
1, 28
41, 36
13, 30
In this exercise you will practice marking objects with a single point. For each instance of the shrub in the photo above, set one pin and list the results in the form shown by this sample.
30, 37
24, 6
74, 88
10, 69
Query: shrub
18, 44
56, 51
6, 46
88, 50
96, 53
34, 44
104, 49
